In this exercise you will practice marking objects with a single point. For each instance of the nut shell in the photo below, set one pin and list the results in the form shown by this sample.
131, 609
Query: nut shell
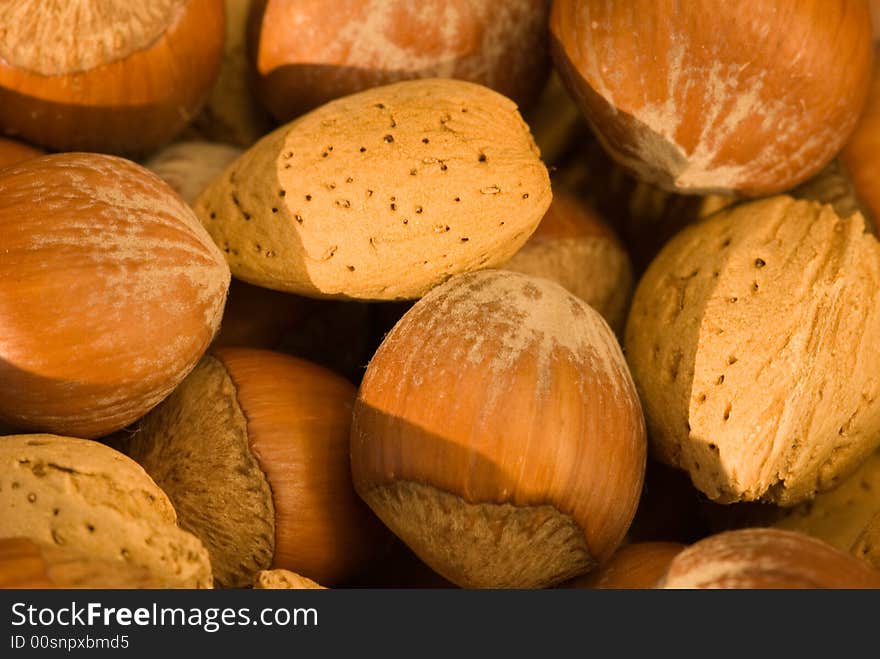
692, 111
574, 247
497, 432
283, 580
766, 559
189, 167
13, 151
111, 76
27, 564
81, 495
252, 448
382, 194
636, 566
110, 291
746, 338
304, 56
859, 155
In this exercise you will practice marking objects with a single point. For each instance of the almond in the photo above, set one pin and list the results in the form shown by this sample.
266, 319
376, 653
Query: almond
85, 496
747, 339
382, 194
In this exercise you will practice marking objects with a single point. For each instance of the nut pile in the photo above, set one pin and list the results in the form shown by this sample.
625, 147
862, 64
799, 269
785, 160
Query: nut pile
472, 293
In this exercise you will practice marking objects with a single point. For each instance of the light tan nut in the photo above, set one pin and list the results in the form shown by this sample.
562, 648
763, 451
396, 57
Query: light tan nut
748, 338
382, 194
83, 495
283, 580
838, 516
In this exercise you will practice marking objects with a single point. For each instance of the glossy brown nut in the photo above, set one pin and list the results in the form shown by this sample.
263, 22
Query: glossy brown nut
110, 292
696, 97
636, 566
119, 76
859, 155
305, 56
766, 559
13, 151
498, 433
252, 449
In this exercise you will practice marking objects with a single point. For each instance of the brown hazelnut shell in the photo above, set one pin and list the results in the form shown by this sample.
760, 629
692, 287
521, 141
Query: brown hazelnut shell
635, 566
693, 111
252, 448
304, 56
13, 151
497, 432
127, 102
110, 292
766, 559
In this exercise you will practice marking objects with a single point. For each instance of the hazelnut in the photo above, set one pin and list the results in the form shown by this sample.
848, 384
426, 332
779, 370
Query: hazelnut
106, 75
636, 566
697, 97
859, 155
497, 432
305, 56
766, 559
110, 292
252, 449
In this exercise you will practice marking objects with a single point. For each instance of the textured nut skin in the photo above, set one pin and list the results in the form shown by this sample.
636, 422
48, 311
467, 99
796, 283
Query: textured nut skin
574, 247
110, 291
382, 194
636, 566
82, 495
766, 559
305, 56
698, 98
497, 432
27, 564
189, 167
127, 95
746, 339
